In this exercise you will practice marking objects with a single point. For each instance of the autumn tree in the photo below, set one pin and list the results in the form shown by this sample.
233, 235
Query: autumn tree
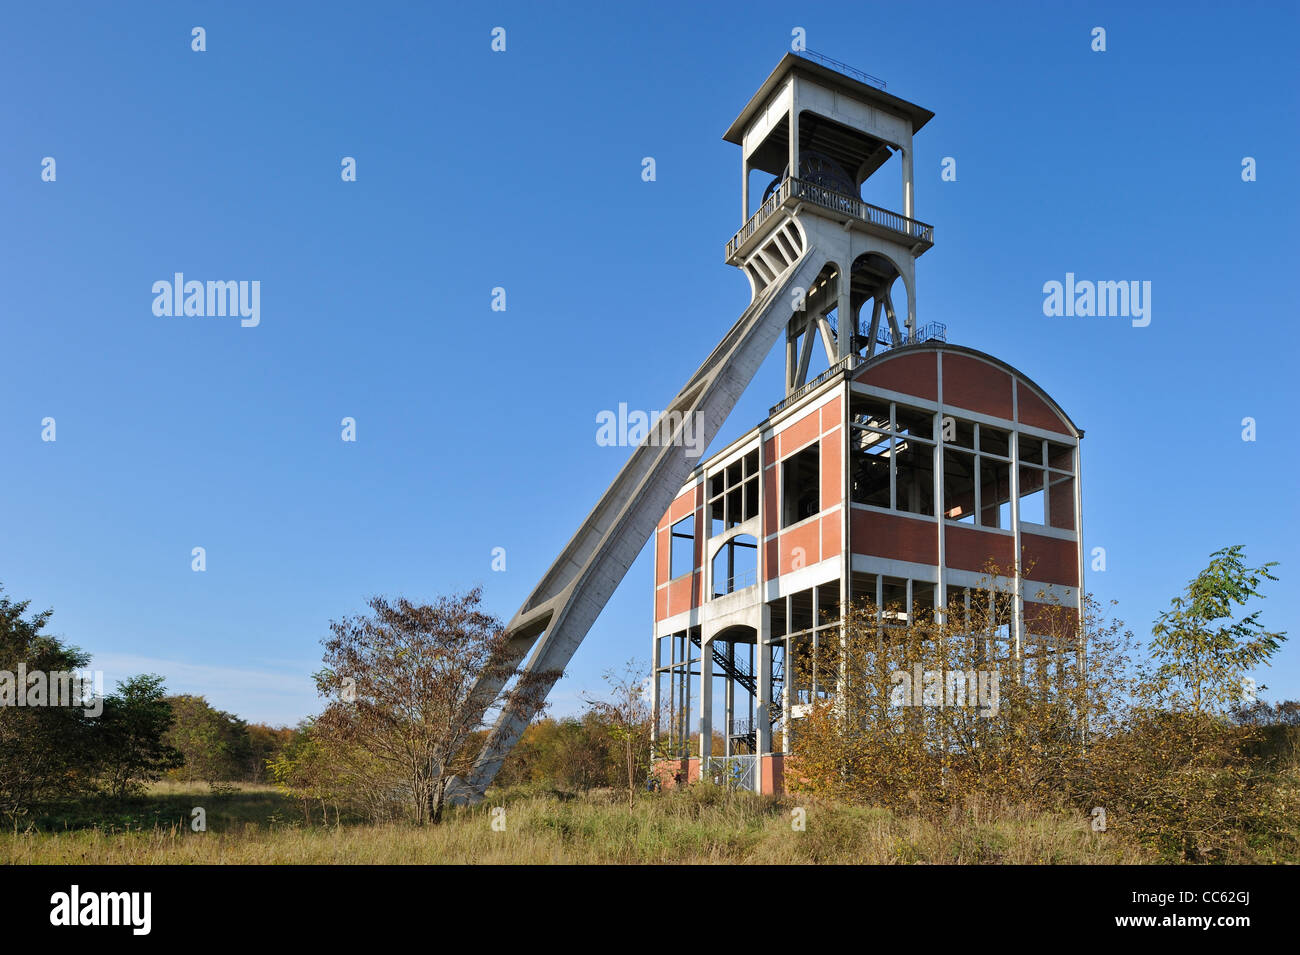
571, 753
628, 719
925, 710
264, 743
215, 744
399, 681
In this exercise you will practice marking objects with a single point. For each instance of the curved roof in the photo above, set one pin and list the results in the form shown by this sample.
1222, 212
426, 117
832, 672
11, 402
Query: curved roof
937, 346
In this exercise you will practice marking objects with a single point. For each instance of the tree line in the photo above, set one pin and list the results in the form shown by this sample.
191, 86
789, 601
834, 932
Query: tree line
1165, 740
115, 747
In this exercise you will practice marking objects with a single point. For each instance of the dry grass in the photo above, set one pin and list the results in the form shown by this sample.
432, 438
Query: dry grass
703, 825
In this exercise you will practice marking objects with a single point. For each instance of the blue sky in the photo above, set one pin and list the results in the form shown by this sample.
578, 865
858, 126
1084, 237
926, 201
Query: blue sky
476, 429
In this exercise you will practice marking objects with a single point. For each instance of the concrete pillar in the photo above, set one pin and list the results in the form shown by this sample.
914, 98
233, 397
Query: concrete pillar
787, 690
744, 192
1016, 609
794, 130
907, 181
729, 702
763, 669
655, 702
706, 704
845, 319
791, 361
911, 301
941, 590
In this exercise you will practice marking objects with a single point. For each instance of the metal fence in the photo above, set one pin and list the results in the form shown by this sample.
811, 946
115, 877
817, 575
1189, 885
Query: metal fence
734, 772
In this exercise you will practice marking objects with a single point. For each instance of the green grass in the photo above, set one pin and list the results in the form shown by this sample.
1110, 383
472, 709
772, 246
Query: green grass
701, 825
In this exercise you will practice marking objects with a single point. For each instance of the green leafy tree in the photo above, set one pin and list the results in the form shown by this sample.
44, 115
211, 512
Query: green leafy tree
130, 735
1202, 651
1184, 774
45, 751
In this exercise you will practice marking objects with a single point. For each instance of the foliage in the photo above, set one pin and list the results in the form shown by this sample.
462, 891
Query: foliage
264, 743
1202, 652
322, 769
927, 712
215, 745
1155, 752
410, 684
131, 736
628, 720
45, 751
570, 754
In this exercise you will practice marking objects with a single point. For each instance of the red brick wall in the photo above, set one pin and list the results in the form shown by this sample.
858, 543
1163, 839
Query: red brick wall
968, 548
899, 538
976, 385
1049, 559
1034, 411
911, 374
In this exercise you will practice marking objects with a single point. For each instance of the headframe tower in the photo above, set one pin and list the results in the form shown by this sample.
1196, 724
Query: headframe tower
823, 267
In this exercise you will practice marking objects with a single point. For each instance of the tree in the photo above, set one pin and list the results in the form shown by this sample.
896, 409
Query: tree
628, 718
1203, 653
45, 751
265, 742
130, 743
568, 754
400, 680
214, 744
1184, 774
318, 767
924, 710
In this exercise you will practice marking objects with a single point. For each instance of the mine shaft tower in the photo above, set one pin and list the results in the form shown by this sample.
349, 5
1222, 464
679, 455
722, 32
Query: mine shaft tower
777, 532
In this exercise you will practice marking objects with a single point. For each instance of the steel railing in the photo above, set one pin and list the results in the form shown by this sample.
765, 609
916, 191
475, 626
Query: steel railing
844, 68
847, 363
805, 191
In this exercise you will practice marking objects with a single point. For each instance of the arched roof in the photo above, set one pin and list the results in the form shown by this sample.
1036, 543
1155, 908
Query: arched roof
936, 347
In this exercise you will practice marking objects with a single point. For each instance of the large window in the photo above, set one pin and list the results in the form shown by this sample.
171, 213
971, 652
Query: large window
805, 634
677, 660
735, 566
733, 494
1046, 483
682, 555
800, 486
898, 600
976, 473
892, 456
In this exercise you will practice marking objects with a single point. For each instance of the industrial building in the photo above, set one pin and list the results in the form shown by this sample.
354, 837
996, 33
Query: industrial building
896, 474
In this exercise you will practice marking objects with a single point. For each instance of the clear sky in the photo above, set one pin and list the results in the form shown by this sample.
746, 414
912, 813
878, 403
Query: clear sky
522, 169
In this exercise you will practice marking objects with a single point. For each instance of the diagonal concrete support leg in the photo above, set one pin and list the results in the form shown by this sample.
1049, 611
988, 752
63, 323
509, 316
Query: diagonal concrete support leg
556, 617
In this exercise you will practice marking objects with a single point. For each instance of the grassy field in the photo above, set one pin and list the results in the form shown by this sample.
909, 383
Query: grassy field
702, 825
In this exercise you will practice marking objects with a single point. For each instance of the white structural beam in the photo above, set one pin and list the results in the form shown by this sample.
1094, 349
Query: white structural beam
561, 610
